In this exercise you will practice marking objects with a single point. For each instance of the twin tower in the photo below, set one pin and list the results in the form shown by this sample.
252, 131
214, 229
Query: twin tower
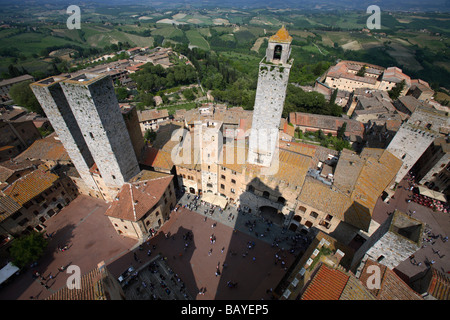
86, 116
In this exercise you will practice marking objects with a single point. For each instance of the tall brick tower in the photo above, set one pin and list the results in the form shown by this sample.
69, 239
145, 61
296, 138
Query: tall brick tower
95, 107
273, 78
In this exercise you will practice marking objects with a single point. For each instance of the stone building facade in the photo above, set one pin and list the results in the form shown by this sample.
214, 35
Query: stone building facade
28, 202
399, 237
143, 205
433, 167
416, 135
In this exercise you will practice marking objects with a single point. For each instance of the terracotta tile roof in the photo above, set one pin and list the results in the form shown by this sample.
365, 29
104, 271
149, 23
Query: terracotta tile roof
341, 70
282, 35
292, 168
31, 185
48, 148
356, 186
9, 167
7, 207
320, 196
157, 158
92, 288
300, 148
375, 176
136, 198
323, 122
391, 286
154, 114
355, 290
394, 74
439, 286
326, 284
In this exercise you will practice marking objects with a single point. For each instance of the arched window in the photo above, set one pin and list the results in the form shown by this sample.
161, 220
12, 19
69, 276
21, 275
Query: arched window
302, 209
314, 214
251, 189
277, 52
266, 194
281, 200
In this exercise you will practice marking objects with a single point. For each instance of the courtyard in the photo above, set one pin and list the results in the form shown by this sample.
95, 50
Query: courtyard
215, 255
90, 238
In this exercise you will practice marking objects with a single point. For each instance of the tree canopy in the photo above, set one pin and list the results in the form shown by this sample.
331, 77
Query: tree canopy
28, 249
23, 96
298, 100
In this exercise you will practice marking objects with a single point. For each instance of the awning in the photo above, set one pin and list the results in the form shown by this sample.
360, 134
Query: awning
215, 199
7, 272
432, 194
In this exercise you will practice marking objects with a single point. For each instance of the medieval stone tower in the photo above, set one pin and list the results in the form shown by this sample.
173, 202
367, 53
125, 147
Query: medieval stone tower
96, 125
273, 78
53, 101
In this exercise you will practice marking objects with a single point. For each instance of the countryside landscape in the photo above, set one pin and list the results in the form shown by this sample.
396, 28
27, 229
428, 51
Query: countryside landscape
36, 40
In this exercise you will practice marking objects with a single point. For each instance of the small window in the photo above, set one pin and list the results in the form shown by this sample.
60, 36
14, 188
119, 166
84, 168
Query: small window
113, 176
314, 214
92, 136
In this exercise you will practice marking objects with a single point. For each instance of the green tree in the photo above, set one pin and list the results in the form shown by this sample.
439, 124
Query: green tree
341, 131
121, 93
28, 249
150, 135
189, 94
23, 96
395, 92
362, 71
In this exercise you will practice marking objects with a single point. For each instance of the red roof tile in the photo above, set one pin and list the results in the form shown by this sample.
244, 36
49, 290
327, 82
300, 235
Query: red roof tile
31, 185
135, 199
327, 284
391, 286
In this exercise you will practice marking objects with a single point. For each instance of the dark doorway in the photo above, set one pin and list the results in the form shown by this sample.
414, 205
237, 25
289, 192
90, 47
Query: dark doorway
272, 214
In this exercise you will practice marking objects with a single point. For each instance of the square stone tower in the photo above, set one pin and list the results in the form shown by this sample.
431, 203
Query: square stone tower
208, 139
416, 135
394, 241
96, 110
273, 78
54, 103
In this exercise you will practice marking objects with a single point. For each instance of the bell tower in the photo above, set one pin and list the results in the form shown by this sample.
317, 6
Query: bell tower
273, 78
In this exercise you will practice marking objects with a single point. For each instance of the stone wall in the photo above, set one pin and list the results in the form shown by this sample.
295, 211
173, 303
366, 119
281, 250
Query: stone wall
414, 137
53, 101
96, 109
269, 102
